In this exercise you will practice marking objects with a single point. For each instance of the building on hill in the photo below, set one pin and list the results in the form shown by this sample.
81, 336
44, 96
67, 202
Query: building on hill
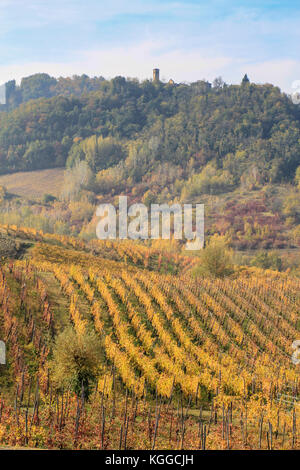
156, 75
157, 80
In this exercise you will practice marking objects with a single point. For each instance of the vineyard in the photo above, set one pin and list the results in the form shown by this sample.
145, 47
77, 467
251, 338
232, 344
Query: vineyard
185, 363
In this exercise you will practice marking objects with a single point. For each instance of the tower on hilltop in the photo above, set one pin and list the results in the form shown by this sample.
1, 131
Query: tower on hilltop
156, 75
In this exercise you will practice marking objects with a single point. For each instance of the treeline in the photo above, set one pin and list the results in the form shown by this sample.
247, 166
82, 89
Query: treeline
41, 85
213, 137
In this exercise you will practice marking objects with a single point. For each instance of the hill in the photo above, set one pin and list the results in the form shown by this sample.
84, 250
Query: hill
218, 350
234, 148
246, 131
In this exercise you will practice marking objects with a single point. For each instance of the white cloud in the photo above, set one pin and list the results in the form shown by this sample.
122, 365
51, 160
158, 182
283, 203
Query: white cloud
138, 61
31, 13
129, 61
279, 72
193, 41
173, 61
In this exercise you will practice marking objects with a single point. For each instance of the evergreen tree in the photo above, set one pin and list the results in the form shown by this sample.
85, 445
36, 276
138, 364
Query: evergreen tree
245, 80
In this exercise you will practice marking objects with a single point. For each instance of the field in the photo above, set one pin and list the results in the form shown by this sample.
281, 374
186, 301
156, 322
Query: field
34, 184
185, 363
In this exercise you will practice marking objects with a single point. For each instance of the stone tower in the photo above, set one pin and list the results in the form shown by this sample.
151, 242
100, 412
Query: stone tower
156, 75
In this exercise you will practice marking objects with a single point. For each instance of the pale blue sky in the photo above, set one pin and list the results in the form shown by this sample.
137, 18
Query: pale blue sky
187, 40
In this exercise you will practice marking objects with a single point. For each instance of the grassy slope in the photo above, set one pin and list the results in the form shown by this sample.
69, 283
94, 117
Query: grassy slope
33, 184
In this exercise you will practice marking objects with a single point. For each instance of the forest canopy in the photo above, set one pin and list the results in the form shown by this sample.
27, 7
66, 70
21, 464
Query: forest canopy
133, 127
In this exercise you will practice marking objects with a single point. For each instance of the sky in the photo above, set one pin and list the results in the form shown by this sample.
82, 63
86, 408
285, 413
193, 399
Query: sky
187, 40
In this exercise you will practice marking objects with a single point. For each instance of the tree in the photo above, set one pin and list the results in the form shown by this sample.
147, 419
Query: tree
297, 177
266, 260
215, 259
291, 207
37, 86
100, 153
47, 198
39, 155
76, 358
245, 79
209, 181
218, 82
75, 179
3, 193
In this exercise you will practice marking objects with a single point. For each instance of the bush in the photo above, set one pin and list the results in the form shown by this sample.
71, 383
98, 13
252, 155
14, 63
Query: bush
3, 193
215, 259
76, 359
48, 198
209, 181
267, 260
297, 177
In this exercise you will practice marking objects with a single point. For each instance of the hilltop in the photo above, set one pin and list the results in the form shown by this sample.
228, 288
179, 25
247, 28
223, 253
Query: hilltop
233, 147
185, 126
